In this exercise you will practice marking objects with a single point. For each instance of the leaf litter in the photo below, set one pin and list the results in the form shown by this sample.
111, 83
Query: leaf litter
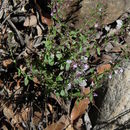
24, 25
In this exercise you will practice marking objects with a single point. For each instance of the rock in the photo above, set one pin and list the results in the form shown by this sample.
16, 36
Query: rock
108, 47
113, 11
115, 109
109, 9
91, 12
127, 7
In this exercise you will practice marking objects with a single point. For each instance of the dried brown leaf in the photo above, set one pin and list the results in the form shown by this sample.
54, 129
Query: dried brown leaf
25, 114
86, 91
60, 125
102, 68
30, 21
8, 112
37, 117
7, 63
1, 84
23, 68
35, 80
79, 109
78, 125
4, 127
70, 127
50, 108
1, 47
56, 126
39, 31
106, 58
116, 49
46, 21
18, 84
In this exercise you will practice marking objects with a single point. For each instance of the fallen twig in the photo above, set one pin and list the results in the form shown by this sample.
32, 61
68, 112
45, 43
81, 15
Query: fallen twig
16, 30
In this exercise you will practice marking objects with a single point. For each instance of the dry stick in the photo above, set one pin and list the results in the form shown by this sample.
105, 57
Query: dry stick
106, 123
16, 30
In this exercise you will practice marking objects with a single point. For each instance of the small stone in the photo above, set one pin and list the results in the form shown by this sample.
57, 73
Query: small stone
107, 28
119, 24
99, 34
108, 47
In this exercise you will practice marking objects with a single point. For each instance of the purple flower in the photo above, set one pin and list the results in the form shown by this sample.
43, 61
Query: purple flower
78, 74
95, 95
75, 66
86, 66
85, 58
121, 70
69, 61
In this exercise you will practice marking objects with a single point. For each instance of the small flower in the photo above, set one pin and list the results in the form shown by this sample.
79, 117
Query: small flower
85, 58
96, 25
121, 70
75, 66
100, 9
95, 95
78, 73
69, 61
86, 66
52, 13
110, 76
69, 86
116, 71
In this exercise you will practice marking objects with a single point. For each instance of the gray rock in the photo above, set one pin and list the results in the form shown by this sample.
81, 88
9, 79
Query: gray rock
90, 12
109, 9
127, 7
115, 110
114, 9
108, 47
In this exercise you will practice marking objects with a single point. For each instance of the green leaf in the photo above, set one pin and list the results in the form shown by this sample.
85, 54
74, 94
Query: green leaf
91, 96
59, 78
57, 94
67, 67
61, 67
98, 51
48, 44
59, 55
76, 81
51, 60
26, 81
62, 93
76, 94
19, 72
92, 70
88, 53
